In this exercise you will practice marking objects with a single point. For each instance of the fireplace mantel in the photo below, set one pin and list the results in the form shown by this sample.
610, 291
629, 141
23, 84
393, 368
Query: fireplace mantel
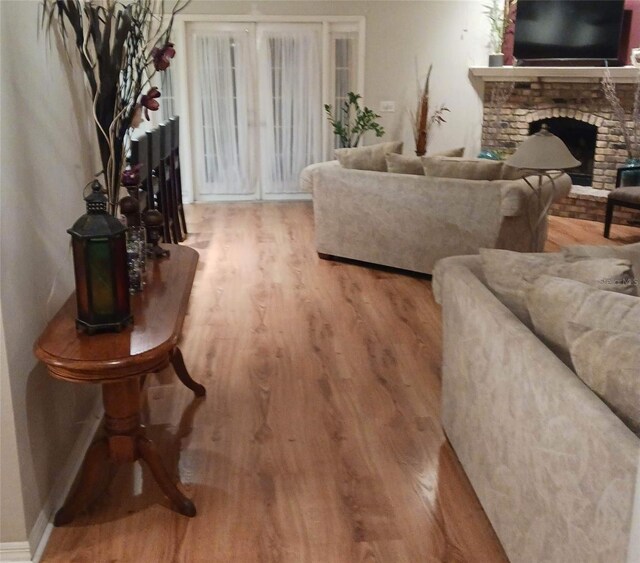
626, 74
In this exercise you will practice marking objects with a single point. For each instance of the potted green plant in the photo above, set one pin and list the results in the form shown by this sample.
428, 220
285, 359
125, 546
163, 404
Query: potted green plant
351, 121
498, 13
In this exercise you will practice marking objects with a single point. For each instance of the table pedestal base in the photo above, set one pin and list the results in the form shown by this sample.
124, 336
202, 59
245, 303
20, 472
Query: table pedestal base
125, 443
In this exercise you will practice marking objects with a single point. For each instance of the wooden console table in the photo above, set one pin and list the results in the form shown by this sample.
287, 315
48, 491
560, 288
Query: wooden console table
118, 361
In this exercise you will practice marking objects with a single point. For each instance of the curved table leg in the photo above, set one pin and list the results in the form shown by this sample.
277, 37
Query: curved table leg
97, 455
149, 453
177, 361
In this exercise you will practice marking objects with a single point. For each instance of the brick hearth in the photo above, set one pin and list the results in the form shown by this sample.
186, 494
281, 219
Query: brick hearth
589, 203
581, 98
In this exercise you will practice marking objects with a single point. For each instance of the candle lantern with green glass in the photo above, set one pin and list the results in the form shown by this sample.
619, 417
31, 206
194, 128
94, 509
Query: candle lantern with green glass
100, 264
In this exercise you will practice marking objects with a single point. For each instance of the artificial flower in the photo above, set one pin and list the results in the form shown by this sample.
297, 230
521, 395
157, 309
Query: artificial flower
161, 56
149, 103
131, 176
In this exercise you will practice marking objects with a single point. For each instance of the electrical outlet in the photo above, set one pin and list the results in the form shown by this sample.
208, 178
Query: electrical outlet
387, 107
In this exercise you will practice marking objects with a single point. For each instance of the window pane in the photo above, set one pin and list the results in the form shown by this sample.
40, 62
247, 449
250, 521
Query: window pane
345, 70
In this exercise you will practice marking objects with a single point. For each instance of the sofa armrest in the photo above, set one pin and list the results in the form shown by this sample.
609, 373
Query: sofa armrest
306, 180
547, 458
472, 262
516, 194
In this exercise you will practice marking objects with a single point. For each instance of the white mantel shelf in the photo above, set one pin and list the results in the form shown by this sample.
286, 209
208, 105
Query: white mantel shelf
625, 74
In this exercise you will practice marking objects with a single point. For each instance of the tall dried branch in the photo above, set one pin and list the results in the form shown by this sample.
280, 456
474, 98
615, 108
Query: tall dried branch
500, 94
421, 121
630, 134
117, 41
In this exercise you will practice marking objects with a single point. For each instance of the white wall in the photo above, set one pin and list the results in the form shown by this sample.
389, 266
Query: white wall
451, 34
45, 161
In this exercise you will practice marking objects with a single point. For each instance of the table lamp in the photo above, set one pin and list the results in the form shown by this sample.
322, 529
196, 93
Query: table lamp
541, 153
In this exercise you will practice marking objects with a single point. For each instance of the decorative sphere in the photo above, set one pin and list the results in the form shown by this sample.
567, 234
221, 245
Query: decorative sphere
129, 205
153, 218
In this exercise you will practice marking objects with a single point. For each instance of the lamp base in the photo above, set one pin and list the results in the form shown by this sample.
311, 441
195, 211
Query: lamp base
91, 329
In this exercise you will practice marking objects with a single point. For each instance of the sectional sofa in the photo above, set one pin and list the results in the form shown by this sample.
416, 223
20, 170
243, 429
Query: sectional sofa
556, 471
411, 221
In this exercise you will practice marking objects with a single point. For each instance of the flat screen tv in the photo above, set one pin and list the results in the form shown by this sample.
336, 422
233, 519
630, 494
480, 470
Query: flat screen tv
568, 29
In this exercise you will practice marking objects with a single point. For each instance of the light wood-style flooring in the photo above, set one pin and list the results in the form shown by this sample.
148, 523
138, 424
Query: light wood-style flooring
319, 440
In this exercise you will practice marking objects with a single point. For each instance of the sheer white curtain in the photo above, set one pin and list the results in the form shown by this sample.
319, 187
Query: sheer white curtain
167, 100
290, 85
345, 59
222, 62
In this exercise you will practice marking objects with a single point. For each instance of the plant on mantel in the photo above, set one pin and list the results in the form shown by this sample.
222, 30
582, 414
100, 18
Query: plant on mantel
498, 13
121, 45
422, 121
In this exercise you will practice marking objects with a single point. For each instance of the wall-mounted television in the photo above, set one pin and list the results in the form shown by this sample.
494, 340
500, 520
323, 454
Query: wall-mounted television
573, 30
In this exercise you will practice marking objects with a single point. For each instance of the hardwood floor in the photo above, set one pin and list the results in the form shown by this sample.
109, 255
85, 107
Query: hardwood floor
319, 440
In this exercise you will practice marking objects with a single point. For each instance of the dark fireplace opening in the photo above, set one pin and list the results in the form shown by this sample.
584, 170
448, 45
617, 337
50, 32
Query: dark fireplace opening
580, 138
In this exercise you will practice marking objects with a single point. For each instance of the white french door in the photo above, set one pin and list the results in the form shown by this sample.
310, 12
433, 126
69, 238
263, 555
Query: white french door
256, 100
220, 63
290, 93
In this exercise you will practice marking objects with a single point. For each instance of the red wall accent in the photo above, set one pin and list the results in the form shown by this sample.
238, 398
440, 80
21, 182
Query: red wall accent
634, 35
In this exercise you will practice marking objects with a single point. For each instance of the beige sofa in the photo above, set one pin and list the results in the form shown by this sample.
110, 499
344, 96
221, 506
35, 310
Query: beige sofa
411, 222
555, 470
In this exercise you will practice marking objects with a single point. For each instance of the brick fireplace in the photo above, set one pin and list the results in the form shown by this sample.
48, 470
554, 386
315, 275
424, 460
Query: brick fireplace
571, 102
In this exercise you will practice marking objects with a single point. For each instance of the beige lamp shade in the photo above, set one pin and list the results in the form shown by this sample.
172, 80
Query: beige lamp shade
543, 151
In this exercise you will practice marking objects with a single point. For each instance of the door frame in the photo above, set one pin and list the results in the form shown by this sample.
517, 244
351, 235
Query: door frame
196, 135
182, 96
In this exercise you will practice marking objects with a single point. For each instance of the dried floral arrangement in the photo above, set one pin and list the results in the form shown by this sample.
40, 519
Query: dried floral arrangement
422, 122
351, 121
630, 130
121, 44
500, 93
498, 14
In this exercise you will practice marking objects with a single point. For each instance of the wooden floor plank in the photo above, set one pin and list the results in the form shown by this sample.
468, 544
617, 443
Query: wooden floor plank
319, 439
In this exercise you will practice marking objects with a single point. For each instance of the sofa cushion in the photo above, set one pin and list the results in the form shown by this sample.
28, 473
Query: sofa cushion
461, 168
629, 252
511, 274
609, 363
404, 164
552, 302
371, 157
451, 152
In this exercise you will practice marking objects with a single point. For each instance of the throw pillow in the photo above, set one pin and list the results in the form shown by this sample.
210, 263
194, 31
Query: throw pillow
451, 152
371, 157
511, 274
553, 302
404, 164
609, 363
629, 252
461, 168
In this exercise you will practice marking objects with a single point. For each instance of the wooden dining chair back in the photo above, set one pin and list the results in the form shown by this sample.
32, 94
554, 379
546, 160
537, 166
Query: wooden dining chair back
174, 124
153, 154
166, 183
140, 156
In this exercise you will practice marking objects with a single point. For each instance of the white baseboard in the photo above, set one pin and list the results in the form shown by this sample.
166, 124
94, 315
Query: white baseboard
14, 551
41, 531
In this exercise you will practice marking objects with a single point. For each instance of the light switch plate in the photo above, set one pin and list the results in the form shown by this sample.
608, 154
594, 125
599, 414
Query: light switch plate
387, 106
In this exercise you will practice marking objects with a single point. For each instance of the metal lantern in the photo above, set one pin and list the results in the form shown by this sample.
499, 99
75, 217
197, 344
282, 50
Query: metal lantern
100, 264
